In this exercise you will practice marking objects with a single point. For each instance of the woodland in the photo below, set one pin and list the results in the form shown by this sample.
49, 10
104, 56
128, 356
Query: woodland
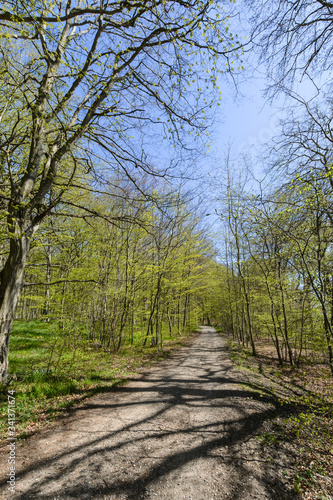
106, 257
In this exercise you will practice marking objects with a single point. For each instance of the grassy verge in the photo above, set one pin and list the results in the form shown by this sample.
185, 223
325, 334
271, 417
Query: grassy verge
52, 371
308, 434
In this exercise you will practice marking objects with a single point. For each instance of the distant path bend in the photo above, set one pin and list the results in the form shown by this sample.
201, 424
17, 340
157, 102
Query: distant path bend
185, 430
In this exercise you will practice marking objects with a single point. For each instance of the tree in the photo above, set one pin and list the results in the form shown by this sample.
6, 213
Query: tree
294, 37
89, 80
304, 154
115, 285
278, 254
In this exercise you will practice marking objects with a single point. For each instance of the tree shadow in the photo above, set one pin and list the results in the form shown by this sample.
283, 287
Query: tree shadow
234, 417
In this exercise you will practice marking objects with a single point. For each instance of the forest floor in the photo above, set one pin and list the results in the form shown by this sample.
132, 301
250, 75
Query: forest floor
192, 427
309, 428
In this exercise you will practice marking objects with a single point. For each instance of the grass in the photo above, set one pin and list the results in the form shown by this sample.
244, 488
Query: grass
51, 370
309, 432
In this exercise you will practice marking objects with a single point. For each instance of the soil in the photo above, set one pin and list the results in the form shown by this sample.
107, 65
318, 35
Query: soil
186, 429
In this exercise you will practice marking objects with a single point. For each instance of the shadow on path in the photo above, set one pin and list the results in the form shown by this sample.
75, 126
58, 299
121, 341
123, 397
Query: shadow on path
186, 424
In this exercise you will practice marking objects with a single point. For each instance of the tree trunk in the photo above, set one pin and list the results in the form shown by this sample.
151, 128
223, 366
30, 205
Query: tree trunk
45, 310
11, 279
285, 322
329, 341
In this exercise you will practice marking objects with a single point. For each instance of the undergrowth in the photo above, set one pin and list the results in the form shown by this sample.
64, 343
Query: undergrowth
309, 431
47, 378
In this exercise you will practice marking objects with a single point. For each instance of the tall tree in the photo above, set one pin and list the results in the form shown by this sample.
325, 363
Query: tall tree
294, 37
81, 81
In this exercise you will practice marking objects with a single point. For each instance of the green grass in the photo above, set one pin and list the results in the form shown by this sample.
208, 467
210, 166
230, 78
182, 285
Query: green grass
50, 370
268, 438
239, 355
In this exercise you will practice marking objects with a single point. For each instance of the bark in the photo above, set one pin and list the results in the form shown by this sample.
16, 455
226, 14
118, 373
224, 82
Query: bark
329, 341
48, 280
169, 321
11, 279
247, 300
285, 321
265, 273
186, 307
153, 309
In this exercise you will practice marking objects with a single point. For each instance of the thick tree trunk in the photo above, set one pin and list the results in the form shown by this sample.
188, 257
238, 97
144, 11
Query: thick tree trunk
169, 321
11, 279
328, 334
45, 310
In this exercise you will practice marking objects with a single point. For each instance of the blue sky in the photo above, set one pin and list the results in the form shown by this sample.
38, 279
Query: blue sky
248, 120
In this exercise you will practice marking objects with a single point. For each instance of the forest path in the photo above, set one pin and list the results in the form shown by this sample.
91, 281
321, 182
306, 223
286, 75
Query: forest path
185, 430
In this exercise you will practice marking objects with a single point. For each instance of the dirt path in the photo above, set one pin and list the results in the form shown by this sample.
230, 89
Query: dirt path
183, 431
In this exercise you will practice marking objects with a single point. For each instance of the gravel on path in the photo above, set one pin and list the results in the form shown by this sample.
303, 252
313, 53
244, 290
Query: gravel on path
184, 430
